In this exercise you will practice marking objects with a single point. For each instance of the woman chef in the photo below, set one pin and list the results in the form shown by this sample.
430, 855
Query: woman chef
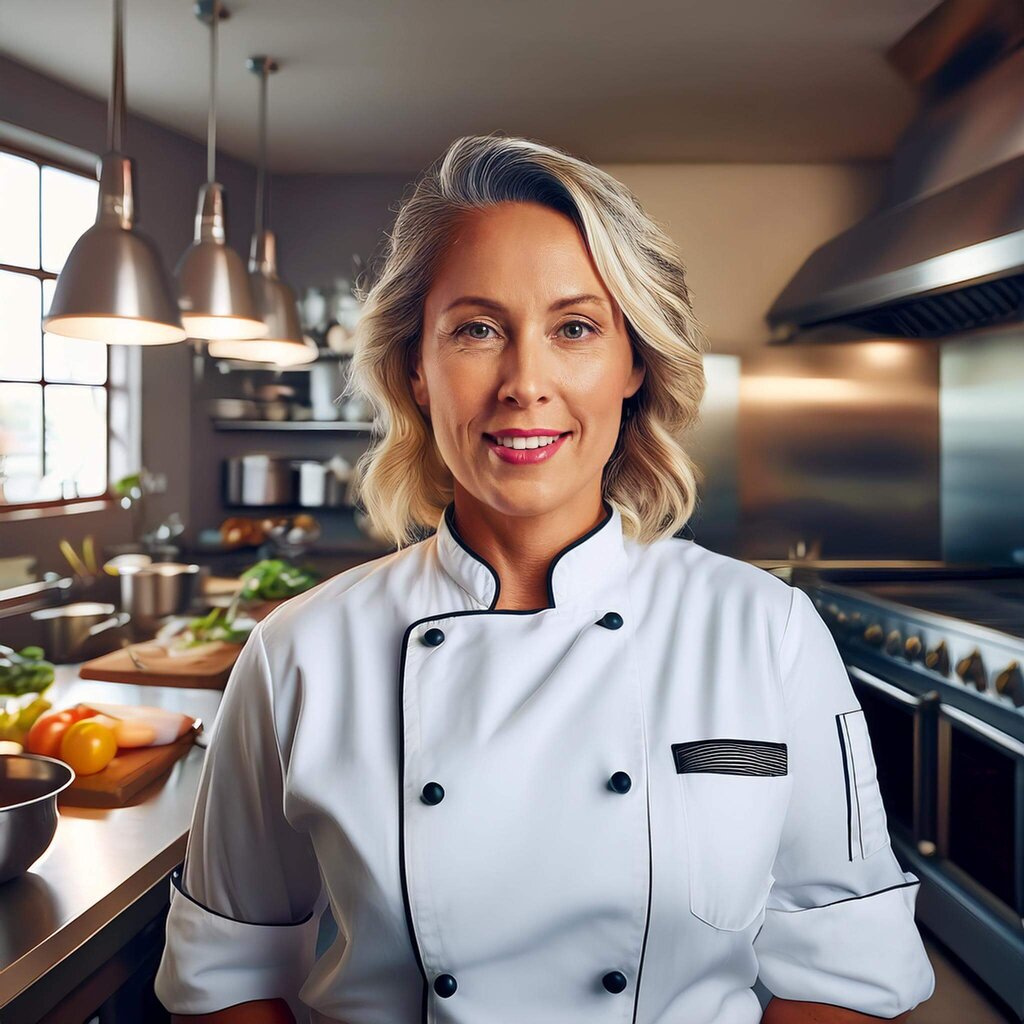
553, 764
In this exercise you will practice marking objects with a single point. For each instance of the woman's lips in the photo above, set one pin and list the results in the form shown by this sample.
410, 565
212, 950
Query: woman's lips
524, 456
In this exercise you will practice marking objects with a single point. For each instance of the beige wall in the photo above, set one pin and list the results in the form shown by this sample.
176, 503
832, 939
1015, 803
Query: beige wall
745, 229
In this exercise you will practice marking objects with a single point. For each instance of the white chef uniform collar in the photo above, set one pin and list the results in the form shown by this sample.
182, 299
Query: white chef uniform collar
589, 571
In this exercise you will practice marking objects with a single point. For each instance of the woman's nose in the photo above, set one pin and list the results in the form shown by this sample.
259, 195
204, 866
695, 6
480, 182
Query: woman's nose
525, 372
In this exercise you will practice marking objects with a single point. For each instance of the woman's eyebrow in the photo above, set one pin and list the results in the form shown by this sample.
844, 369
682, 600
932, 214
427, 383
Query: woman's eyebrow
571, 300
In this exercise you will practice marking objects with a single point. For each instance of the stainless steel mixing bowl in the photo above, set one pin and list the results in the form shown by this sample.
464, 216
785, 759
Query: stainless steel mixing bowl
29, 784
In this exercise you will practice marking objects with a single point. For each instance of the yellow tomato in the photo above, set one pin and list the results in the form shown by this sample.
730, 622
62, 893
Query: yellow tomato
88, 747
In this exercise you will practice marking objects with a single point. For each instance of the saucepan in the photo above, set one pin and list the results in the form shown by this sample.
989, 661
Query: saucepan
80, 630
29, 785
151, 594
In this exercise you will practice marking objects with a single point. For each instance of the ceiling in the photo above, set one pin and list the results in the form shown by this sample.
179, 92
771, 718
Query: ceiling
370, 87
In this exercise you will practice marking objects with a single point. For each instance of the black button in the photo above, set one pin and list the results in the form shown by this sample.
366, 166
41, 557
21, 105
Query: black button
610, 620
614, 981
433, 793
620, 782
445, 985
433, 637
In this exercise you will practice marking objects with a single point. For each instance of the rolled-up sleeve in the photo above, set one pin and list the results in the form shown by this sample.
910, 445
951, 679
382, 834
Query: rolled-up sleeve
839, 922
244, 909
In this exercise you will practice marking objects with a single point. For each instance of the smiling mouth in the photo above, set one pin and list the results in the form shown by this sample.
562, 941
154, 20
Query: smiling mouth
522, 443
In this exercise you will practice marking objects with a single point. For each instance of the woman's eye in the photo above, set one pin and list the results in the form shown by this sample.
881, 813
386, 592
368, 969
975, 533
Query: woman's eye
475, 324
577, 323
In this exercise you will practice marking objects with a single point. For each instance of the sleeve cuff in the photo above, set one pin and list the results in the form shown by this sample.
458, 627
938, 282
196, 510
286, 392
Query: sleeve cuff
211, 961
863, 953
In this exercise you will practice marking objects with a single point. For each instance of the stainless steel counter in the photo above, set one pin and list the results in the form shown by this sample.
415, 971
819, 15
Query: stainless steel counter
101, 861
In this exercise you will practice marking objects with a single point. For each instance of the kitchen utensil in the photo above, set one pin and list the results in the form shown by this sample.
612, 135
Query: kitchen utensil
29, 784
119, 563
320, 486
324, 388
80, 630
259, 479
151, 593
78, 566
233, 409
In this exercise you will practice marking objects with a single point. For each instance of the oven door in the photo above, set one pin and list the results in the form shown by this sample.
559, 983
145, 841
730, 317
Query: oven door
902, 729
981, 810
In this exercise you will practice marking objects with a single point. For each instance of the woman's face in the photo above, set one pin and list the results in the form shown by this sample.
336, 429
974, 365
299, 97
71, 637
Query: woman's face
519, 332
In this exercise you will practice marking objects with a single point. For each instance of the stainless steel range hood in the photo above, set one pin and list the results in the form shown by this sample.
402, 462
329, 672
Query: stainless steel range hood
943, 253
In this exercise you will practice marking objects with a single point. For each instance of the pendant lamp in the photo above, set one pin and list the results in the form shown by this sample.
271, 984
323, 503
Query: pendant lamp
213, 288
285, 344
113, 286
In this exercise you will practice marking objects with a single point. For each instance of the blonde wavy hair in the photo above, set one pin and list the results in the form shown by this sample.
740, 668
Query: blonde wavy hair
401, 480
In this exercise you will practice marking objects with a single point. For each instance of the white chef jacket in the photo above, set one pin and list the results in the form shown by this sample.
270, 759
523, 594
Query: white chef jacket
620, 808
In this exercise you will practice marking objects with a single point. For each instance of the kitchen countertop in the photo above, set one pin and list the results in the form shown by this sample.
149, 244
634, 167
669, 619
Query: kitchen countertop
102, 861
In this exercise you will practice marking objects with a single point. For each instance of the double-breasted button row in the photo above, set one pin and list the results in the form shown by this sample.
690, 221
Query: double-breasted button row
434, 636
433, 792
445, 984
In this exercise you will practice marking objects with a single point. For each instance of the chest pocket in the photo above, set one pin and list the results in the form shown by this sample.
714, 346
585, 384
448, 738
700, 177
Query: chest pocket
734, 795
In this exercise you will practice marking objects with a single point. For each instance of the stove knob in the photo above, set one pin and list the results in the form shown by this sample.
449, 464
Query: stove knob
1010, 683
893, 643
972, 670
873, 635
937, 659
913, 648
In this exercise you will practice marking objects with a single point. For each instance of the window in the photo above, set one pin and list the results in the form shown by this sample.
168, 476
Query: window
53, 391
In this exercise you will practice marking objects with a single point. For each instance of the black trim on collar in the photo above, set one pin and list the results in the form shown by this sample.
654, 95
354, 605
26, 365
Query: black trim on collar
449, 515
176, 881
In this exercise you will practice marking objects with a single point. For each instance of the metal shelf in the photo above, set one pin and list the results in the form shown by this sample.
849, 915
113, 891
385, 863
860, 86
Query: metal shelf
329, 426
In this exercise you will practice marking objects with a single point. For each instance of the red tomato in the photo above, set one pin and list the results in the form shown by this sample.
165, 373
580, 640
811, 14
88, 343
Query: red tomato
48, 730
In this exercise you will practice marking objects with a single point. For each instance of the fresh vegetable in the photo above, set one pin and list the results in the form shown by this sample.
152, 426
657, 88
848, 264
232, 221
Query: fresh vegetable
273, 579
217, 625
14, 725
46, 735
88, 746
166, 725
24, 671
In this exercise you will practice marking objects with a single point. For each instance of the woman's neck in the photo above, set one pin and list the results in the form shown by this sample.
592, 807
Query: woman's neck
520, 548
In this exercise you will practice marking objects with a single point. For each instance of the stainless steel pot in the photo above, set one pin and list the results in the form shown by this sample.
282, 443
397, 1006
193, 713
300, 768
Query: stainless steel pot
152, 593
320, 486
84, 629
29, 784
259, 479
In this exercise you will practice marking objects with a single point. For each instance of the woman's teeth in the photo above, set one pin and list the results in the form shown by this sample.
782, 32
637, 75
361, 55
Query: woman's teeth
527, 442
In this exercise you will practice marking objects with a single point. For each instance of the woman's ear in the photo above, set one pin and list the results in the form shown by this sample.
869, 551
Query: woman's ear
636, 378
418, 383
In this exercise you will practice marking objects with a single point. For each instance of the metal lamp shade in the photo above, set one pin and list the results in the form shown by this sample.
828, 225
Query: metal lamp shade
284, 344
113, 287
213, 286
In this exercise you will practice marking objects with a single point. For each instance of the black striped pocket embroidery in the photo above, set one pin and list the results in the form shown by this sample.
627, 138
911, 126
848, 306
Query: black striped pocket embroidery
731, 757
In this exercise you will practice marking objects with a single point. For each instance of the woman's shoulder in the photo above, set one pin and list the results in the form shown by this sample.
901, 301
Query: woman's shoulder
688, 568
355, 586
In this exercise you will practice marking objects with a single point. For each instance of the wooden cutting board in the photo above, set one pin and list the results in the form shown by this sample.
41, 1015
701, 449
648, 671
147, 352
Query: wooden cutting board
130, 771
208, 671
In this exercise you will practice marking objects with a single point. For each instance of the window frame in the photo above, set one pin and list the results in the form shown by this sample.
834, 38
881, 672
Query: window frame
54, 504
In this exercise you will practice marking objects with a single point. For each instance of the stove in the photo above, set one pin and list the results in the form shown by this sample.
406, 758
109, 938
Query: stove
935, 655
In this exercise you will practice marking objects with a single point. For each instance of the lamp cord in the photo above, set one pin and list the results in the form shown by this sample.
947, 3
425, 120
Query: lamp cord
262, 200
115, 110
211, 125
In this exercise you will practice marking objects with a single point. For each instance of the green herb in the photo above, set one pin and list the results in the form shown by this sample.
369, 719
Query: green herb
273, 579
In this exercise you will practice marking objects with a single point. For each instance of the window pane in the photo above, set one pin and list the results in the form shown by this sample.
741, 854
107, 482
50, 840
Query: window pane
76, 440
19, 211
69, 207
21, 441
65, 359
20, 332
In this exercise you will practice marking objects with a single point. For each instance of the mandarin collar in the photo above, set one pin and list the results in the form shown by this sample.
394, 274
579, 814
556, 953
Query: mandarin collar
590, 570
